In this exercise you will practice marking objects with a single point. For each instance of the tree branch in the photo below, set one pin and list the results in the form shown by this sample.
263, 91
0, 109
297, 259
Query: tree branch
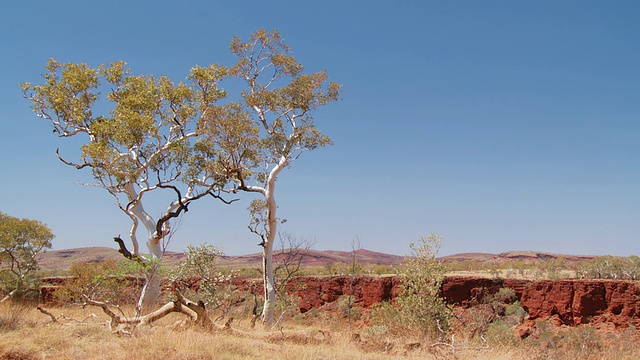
77, 166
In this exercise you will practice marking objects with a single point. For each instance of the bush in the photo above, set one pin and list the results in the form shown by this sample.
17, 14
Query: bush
199, 277
110, 281
420, 302
388, 317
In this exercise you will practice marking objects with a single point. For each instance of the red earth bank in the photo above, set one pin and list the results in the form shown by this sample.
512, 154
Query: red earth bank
570, 302
566, 302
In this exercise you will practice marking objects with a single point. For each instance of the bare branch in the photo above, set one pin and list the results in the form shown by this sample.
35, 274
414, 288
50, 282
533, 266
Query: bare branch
123, 249
53, 318
77, 166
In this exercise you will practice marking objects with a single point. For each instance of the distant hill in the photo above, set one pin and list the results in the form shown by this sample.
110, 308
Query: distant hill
527, 256
61, 260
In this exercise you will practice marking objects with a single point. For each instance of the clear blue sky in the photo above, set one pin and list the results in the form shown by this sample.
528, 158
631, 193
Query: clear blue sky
499, 125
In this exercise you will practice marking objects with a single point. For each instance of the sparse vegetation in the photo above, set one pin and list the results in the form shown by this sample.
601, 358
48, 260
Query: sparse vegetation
199, 277
421, 306
114, 282
553, 267
81, 333
610, 267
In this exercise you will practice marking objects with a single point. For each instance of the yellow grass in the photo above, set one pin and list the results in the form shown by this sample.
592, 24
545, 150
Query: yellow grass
321, 337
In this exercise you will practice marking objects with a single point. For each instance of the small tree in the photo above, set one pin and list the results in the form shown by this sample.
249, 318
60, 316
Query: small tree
421, 304
280, 98
277, 101
116, 283
139, 141
288, 258
198, 275
21, 240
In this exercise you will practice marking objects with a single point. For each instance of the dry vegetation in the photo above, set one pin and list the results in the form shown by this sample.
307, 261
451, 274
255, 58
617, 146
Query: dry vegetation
339, 330
82, 333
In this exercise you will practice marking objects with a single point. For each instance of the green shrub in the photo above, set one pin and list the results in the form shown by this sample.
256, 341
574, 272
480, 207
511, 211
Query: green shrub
500, 332
515, 309
212, 286
110, 281
419, 300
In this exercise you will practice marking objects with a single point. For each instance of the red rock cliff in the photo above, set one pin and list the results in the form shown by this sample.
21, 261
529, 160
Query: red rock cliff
574, 302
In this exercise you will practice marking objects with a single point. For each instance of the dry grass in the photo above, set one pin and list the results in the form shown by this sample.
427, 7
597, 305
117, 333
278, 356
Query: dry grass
34, 336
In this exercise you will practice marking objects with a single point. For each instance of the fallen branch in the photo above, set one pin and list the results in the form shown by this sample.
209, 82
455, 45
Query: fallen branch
56, 319
196, 313
53, 318
173, 306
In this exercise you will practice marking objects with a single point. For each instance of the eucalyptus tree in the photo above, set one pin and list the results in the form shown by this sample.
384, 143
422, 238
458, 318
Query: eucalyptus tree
21, 240
279, 99
138, 139
183, 139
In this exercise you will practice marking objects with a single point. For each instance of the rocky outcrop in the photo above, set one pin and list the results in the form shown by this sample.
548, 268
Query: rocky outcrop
568, 302
577, 302
366, 291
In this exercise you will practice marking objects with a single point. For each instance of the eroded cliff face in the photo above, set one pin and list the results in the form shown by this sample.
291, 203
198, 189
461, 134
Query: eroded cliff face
568, 302
565, 302
584, 301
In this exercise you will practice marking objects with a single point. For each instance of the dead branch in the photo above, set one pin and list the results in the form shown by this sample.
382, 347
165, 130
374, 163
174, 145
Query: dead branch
173, 306
123, 249
56, 320
196, 313
53, 318
126, 253
63, 316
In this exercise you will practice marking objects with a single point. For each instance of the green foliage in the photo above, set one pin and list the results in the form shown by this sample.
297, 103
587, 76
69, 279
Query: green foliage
114, 282
199, 277
290, 130
515, 309
21, 240
504, 296
348, 269
386, 318
145, 135
609, 267
505, 303
420, 302
158, 136
501, 332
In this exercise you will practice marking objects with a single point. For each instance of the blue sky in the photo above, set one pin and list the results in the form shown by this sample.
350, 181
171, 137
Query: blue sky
499, 125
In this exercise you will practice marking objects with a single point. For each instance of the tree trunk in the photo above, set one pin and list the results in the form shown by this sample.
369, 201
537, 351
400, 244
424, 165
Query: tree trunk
272, 229
150, 294
269, 285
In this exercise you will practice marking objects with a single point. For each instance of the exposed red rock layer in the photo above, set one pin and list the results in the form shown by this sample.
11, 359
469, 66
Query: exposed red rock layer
567, 302
573, 302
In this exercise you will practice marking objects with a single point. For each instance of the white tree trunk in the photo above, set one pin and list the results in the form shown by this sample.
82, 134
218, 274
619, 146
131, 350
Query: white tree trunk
151, 290
272, 230
269, 285
150, 294
155, 250
137, 209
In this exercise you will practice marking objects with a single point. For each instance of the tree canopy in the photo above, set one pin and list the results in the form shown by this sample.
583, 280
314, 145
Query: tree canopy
190, 139
145, 139
20, 241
